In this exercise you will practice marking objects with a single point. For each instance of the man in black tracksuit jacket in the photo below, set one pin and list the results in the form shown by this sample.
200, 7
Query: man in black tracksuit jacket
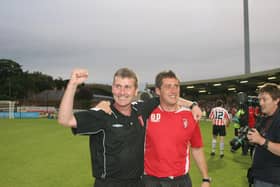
116, 142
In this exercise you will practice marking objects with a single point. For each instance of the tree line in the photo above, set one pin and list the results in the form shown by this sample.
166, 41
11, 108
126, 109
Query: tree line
18, 84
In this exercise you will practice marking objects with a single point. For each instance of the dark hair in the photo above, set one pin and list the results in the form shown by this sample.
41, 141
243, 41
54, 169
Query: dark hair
272, 89
162, 75
126, 73
219, 102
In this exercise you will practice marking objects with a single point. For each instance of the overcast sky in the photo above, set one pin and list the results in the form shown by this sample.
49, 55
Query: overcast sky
198, 39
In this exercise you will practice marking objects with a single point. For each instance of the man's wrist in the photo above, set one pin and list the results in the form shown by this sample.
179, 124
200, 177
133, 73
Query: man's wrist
265, 144
72, 84
194, 103
208, 179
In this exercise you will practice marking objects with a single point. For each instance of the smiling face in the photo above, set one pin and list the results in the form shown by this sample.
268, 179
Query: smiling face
169, 93
124, 91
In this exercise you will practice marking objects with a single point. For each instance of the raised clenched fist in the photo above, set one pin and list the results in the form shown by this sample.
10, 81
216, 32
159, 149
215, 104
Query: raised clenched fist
78, 76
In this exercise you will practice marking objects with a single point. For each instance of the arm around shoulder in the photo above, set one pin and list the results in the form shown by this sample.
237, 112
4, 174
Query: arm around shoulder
196, 110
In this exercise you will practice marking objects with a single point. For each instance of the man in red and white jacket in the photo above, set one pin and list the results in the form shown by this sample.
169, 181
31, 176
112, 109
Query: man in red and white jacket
171, 132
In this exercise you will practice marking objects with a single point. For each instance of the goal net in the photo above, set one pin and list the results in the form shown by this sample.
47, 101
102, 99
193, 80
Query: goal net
7, 109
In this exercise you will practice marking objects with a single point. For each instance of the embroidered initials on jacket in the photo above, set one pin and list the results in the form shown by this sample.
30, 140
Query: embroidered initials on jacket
155, 117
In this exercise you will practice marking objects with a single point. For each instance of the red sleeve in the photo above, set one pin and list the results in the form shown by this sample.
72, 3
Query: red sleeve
196, 140
227, 116
211, 114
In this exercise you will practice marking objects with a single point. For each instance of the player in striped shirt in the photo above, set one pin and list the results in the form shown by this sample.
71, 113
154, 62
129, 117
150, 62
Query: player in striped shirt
220, 119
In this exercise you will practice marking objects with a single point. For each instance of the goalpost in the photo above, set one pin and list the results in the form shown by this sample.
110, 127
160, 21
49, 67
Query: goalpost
7, 109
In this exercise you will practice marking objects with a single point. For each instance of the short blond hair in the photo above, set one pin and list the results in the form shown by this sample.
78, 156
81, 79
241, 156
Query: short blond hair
126, 73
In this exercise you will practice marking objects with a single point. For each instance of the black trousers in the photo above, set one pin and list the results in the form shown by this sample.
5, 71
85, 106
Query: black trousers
182, 181
118, 183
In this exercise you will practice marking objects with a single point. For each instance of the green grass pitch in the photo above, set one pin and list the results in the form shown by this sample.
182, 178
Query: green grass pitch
39, 152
